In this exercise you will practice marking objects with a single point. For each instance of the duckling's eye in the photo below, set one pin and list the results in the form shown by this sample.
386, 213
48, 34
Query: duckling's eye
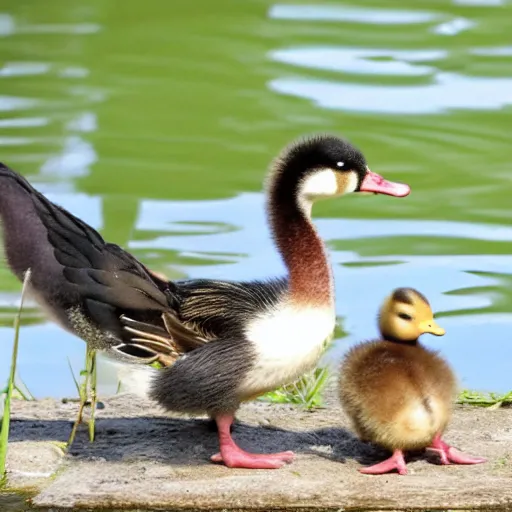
405, 316
340, 164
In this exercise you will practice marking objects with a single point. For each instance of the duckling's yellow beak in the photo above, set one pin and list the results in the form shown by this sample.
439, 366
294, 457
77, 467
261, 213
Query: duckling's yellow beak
430, 327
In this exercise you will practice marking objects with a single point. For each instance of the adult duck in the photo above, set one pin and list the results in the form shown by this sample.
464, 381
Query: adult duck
221, 342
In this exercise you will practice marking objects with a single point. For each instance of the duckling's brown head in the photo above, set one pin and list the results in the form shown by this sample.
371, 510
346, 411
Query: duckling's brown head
327, 166
406, 315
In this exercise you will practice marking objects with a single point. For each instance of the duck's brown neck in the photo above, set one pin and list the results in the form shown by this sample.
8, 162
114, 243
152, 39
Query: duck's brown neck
303, 252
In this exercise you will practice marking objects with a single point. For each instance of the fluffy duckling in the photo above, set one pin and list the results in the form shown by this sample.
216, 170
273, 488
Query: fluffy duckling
398, 393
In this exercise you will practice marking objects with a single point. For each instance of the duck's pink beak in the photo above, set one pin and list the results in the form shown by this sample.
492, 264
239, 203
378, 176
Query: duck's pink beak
374, 182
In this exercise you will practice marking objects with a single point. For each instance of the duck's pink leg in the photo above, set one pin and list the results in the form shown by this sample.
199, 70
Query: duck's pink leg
396, 461
234, 457
449, 454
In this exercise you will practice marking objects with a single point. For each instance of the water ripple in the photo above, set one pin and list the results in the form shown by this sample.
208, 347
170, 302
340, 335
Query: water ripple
498, 51
10, 103
76, 157
449, 91
360, 60
24, 122
453, 27
371, 16
480, 3
24, 69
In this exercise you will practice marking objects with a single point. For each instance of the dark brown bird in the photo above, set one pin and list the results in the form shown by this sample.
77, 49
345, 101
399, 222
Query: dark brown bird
221, 342
399, 394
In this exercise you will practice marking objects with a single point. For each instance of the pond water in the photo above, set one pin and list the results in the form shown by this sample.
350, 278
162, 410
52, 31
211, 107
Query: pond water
155, 122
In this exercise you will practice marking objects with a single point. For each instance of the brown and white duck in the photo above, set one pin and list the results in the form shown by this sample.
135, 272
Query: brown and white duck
221, 342
398, 393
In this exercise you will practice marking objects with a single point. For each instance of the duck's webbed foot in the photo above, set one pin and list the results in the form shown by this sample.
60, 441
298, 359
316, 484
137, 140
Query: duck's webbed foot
450, 455
234, 457
395, 462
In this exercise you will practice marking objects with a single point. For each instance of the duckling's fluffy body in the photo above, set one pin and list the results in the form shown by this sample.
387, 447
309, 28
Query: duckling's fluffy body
398, 396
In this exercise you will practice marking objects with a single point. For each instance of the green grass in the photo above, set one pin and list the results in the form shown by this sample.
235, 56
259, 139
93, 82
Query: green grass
86, 387
11, 386
490, 400
305, 391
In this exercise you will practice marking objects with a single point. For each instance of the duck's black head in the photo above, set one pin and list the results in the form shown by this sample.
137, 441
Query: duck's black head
326, 165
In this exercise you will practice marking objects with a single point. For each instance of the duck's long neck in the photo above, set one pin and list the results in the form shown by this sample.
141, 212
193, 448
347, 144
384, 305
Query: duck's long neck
303, 252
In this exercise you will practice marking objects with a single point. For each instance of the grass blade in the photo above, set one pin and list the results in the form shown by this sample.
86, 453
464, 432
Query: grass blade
306, 391
93, 369
6, 418
74, 378
22, 389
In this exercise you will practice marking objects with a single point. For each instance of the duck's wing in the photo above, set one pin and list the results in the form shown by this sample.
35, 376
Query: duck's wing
223, 309
84, 282
164, 344
209, 311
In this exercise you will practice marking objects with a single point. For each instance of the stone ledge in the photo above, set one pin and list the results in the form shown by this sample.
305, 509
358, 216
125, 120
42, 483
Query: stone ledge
31, 463
144, 460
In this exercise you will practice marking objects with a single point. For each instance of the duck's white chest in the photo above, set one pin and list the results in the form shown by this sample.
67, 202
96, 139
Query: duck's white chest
288, 342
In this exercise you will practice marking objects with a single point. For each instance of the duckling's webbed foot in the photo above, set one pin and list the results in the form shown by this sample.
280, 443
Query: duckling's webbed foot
450, 455
395, 462
234, 457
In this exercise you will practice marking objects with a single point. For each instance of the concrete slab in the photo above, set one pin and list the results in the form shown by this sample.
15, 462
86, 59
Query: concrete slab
145, 460
31, 463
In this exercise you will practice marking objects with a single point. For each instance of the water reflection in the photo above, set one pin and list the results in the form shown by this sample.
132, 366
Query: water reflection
105, 115
501, 51
75, 159
369, 15
454, 27
449, 91
10, 103
24, 69
480, 3
363, 61
444, 90
9, 26
76, 154
24, 122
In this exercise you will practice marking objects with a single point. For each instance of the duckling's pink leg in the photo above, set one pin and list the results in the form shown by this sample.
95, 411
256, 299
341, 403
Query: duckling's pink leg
449, 454
396, 461
234, 457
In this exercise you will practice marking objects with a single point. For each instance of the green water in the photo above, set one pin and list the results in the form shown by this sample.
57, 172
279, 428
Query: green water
155, 122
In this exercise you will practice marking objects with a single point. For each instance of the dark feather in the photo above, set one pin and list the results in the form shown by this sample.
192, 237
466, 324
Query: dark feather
406, 296
206, 379
223, 308
184, 336
84, 281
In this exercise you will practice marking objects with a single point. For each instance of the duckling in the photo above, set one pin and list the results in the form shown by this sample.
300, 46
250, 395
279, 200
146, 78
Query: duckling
220, 342
397, 393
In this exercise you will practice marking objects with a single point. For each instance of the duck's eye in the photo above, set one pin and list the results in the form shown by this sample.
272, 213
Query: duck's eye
340, 164
405, 316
